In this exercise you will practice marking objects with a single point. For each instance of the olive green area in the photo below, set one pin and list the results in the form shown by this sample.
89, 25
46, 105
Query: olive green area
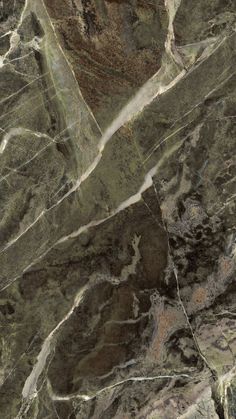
117, 246
197, 21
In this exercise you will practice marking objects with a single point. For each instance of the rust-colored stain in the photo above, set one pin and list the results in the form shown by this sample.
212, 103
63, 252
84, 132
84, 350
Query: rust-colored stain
199, 296
167, 322
225, 266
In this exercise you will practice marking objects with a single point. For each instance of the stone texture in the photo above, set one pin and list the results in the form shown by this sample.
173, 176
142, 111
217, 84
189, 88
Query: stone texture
117, 203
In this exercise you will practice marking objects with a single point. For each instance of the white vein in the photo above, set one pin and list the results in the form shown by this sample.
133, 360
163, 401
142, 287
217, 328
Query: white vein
30, 387
86, 397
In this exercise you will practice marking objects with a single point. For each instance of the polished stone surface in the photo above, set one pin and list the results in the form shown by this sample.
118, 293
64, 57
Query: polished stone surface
118, 209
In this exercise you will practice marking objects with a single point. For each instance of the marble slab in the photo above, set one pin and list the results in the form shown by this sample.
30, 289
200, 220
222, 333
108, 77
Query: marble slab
117, 209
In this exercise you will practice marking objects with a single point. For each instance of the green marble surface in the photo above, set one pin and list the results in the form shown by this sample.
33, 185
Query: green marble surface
117, 209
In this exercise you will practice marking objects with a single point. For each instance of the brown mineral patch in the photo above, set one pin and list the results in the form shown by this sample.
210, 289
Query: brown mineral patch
199, 296
167, 322
109, 76
225, 266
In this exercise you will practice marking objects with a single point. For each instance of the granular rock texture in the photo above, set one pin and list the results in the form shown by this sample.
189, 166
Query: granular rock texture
118, 209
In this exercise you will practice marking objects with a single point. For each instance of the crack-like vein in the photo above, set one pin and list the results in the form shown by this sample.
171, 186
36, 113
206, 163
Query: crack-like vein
212, 370
148, 182
124, 116
86, 397
172, 8
30, 386
163, 140
24, 87
22, 105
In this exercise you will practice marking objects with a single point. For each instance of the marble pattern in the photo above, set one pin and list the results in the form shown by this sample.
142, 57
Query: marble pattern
117, 203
